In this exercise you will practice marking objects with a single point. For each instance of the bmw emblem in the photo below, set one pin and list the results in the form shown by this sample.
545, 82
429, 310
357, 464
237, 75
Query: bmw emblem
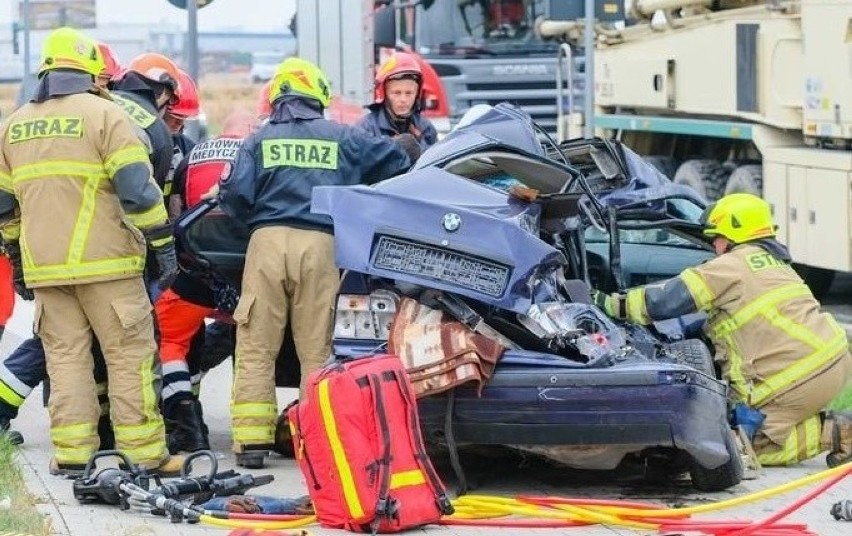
451, 222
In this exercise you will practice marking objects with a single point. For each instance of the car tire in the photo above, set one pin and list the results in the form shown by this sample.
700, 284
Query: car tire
706, 177
819, 280
693, 353
727, 475
746, 179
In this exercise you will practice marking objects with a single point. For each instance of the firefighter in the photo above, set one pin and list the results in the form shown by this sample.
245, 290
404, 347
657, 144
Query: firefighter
186, 106
783, 357
10, 398
396, 107
73, 154
290, 275
145, 89
181, 310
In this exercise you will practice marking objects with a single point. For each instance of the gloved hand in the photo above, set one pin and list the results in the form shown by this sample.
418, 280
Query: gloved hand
13, 251
410, 145
608, 303
162, 244
225, 296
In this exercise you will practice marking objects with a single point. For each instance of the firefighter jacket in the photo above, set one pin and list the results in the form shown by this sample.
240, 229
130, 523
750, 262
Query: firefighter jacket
138, 100
82, 182
769, 332
278, 166
378, 123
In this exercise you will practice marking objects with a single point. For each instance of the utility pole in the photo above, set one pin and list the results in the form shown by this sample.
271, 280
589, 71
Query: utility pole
589, 46
192, 38
25, 81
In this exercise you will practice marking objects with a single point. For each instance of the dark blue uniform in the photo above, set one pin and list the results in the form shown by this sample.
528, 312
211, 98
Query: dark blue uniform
379, 123
278, 166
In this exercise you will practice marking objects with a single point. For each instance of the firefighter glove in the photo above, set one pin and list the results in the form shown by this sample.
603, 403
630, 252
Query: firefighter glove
410, 145
611, 304
13, 250
162, 244
225, 296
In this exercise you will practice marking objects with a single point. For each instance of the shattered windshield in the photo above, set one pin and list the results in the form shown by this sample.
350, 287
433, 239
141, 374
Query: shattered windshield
480, 27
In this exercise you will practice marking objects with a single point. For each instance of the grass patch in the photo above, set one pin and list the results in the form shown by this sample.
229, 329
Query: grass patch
843, 401
21, 515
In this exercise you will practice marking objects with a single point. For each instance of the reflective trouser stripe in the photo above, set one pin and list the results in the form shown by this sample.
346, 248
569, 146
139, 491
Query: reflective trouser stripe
12, 382
802, 443
254, 434
350, 493
701, 293
74, 443
9, 396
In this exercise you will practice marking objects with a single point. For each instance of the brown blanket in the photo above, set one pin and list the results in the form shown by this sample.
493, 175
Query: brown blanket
440, 353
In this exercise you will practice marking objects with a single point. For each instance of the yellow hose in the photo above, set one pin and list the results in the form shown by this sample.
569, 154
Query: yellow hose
266, 525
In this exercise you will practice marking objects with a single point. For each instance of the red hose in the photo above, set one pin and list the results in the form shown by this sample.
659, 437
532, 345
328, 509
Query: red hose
792, 507
515, 523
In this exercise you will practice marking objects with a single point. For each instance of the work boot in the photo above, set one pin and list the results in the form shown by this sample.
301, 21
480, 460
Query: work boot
187, 432
169, 467
13, 437
70, 470
837, 437
253, 457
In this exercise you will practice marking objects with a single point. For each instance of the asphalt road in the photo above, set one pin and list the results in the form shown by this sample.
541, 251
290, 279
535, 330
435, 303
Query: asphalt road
492, 476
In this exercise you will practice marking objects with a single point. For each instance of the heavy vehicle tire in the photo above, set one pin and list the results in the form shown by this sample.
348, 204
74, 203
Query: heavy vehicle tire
693, 353
746, 179
707, 177
818, 279
664, 164
723, 477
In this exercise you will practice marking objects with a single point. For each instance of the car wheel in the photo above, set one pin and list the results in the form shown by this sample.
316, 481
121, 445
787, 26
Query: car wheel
693, 353
818, 279
706, 177
723, 477
746, 179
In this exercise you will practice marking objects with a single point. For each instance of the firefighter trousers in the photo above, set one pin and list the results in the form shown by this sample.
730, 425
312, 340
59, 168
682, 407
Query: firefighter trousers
119, 313
792, 429
289, 276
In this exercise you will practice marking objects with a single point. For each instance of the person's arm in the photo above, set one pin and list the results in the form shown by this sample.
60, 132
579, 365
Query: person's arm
10, 221
700, 288
381, 158
127, 165
237, 189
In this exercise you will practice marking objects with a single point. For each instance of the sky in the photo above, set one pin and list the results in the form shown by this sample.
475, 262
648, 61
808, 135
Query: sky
249, 15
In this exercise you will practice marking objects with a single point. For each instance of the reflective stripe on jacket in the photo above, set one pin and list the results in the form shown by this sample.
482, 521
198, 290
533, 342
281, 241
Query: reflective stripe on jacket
768, 329
83, 183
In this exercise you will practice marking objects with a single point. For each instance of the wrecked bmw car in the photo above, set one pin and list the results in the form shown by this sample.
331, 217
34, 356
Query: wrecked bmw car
475, 269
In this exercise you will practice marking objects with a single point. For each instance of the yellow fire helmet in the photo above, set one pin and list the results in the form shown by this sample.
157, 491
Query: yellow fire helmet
66, 48
296, 76
739, 217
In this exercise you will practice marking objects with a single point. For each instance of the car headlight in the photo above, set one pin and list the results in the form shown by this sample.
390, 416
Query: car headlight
365, 316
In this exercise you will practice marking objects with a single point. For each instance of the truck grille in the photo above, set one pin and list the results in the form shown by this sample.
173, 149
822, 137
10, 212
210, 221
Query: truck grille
460, 269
